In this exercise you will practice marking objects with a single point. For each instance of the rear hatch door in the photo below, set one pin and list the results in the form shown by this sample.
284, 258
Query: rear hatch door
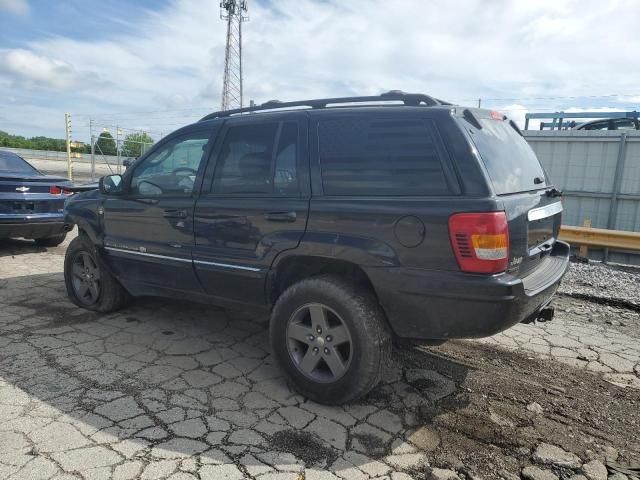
531, 203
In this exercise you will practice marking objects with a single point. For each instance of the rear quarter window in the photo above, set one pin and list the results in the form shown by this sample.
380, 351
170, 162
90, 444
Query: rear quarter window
12, 163
371, 156
511, 163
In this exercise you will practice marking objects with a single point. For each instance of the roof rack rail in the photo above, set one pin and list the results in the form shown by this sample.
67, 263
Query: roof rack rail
409, 99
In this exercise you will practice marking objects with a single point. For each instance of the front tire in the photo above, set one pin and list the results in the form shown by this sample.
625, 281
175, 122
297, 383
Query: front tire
331, 339
88, 285
50, 241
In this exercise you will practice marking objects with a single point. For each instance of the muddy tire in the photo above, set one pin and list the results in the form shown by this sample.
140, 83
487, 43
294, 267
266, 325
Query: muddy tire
331, 339
88, 285
50, 241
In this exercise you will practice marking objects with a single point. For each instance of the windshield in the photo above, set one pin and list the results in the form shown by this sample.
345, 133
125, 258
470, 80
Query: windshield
510, 162
12, 163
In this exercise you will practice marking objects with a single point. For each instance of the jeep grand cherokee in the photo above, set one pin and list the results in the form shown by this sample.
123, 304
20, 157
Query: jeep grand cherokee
351, 221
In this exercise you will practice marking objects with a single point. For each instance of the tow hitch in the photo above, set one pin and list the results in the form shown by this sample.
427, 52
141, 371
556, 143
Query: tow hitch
545, 314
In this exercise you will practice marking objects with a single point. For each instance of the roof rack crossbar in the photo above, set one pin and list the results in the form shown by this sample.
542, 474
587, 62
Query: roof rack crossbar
410, 99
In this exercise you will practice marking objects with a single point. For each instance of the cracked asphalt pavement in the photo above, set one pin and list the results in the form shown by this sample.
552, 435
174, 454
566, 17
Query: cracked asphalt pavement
174, 390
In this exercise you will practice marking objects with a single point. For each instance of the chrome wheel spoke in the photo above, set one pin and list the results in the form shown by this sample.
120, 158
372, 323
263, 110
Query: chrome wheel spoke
83, 289
309, 361
300, 332
337, 335
318, 318
93, 291
92, 267
77, 270
334, 362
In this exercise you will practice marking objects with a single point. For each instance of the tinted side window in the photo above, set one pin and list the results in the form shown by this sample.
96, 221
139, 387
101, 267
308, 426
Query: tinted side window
598, 126
285, 179
379, 156
258, 159
626, 124
172, 168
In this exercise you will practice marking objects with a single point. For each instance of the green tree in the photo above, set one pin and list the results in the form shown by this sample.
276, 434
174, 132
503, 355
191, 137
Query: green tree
106, 145
135, 144
34, 143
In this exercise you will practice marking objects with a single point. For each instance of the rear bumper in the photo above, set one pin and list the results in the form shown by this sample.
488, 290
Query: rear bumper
36, 225
438, 305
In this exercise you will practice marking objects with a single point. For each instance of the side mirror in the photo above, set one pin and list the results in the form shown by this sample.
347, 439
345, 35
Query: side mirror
111, 184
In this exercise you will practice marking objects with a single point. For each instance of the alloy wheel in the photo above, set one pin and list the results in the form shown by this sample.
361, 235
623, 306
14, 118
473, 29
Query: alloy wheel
86, 278
319, 343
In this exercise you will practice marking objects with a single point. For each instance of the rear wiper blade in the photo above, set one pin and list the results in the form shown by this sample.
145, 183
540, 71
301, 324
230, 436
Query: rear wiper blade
553, 192
515, 127
469, 117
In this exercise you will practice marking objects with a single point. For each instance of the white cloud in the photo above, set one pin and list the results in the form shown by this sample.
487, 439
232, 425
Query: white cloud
303, 49
629, 99
31, 69
603, 110
19, 7
515, 112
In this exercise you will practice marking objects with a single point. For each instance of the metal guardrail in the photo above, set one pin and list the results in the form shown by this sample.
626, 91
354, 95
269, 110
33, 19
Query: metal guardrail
601, 237
53, 155
557, 118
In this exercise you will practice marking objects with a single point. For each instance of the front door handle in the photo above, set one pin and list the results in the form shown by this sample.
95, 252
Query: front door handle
281, 216
175, 213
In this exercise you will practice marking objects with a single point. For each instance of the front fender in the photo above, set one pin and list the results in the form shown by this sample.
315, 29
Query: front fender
83, 210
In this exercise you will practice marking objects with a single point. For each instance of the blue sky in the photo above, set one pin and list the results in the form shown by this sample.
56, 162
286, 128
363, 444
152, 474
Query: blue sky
113, 62
77, 19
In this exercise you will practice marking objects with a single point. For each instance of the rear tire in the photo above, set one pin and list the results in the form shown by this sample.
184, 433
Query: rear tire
88, 284
50, 241
353, 328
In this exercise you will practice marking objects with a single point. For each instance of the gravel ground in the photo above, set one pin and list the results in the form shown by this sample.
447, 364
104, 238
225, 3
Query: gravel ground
172, 390
605, 282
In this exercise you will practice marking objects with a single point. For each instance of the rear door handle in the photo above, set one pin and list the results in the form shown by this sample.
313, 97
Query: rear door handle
148, 201
175, 213
281, 216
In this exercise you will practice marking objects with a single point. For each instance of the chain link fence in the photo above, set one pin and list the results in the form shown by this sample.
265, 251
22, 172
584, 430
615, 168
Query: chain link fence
85, 167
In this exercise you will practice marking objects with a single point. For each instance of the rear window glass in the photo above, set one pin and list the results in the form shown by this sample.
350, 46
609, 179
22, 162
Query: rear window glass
12, 163
510, 161
379, 156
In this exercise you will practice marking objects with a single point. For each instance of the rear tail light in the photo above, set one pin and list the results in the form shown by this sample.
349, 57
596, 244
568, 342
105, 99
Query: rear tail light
480, 241
53, 190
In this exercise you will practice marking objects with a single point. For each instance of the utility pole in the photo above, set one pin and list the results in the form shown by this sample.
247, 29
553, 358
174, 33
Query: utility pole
234, 12
118, 148
67, 127
93, 151
479, 102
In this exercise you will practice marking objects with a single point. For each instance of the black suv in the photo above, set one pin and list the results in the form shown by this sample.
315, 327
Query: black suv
352, 221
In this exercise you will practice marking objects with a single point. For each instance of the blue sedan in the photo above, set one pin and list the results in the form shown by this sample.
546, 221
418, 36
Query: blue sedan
31, 203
